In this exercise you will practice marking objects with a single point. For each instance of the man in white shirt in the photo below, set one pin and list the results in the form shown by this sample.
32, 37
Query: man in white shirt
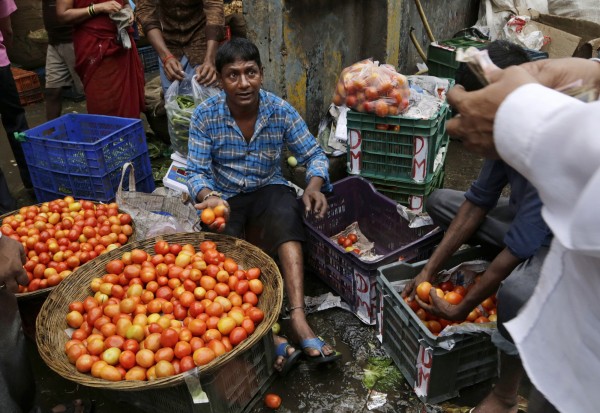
551, 139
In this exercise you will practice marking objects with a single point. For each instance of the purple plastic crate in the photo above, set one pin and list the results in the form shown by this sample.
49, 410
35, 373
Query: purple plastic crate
354, 199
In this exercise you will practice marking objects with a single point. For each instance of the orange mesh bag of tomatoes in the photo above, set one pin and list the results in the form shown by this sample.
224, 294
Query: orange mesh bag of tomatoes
367, 86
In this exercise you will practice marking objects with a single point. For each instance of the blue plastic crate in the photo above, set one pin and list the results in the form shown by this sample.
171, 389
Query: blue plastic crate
149, 58
82, 155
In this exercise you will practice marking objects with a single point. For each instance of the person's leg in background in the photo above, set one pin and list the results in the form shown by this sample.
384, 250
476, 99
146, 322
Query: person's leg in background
13, 120
60, 73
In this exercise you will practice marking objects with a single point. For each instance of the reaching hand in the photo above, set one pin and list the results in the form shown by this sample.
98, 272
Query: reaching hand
439, 307
206, 74
557, 73
477, 110
173, 69
215, 202
12, 256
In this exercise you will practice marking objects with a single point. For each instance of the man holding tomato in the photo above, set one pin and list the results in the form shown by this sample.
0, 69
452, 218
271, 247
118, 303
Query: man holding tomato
236, 141
513, 225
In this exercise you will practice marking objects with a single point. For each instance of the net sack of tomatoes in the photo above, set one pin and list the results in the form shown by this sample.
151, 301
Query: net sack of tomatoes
60, 235
353, 241
453, 285
367, 86
155, 316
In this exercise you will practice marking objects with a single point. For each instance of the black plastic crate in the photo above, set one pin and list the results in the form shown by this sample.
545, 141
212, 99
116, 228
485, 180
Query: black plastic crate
234, 388
423, 358
354, 199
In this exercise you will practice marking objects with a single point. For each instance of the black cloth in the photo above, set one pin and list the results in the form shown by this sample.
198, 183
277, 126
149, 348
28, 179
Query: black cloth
17, 384
13, 120
57, 32
267, 217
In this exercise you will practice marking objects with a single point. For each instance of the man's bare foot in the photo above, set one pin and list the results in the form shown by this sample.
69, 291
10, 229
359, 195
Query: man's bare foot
497, 403
286, 354
302, 331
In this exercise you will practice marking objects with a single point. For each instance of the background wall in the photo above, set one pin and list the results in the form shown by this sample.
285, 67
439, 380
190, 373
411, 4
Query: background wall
305, 44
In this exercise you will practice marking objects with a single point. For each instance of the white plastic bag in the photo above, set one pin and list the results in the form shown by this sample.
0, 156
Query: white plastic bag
181, 100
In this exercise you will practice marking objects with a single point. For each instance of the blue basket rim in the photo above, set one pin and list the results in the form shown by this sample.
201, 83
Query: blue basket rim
44, 126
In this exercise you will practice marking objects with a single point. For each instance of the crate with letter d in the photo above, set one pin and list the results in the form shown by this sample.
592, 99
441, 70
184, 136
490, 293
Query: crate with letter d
438, 367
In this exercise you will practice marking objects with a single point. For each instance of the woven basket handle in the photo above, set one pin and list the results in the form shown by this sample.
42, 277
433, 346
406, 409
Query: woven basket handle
131, 179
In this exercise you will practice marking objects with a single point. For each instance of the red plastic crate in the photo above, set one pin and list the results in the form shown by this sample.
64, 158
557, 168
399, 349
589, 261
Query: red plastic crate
25, 80
28, 86
354, 199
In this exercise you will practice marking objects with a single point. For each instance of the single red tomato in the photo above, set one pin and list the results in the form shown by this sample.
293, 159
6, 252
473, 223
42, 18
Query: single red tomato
272, 401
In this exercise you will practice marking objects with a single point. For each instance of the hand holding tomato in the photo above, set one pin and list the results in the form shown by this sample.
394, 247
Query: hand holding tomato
439, 307
215, 213
410, 287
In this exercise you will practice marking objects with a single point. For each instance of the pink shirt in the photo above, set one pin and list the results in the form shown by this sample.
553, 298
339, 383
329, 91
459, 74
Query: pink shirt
7, 7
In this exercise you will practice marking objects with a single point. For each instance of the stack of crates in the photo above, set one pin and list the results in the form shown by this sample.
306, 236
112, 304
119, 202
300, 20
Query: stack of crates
28, 86
149, 58
403, 157
441, 56
355, 200
83, 155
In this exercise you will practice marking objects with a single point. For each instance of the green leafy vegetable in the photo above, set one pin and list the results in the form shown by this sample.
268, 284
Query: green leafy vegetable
382, 374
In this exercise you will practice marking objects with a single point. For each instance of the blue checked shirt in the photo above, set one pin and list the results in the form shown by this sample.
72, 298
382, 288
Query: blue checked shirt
220, 159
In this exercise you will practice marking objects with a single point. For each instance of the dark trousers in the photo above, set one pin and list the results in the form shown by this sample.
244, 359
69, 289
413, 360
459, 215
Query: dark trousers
13, 120
267, 217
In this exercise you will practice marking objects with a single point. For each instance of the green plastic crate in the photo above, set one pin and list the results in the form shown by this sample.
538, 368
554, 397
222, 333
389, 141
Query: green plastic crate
441, 56
423, 358
411, 194
393, 155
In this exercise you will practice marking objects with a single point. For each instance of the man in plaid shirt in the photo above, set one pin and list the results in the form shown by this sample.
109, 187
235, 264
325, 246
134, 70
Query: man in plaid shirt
236, 141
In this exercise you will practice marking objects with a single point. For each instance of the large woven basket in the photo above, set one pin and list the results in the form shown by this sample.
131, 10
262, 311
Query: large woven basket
51, 323
46, 291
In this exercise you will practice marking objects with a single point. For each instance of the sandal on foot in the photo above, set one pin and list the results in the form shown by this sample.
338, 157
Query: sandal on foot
318, 343
290, 359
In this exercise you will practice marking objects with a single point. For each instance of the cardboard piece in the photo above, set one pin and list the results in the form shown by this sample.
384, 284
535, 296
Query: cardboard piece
569, 36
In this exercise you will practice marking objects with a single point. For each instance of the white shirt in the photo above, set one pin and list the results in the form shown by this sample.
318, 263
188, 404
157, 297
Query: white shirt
554, 141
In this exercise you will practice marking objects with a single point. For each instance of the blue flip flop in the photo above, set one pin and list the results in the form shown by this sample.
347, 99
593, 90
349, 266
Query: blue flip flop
290, 360
318, 343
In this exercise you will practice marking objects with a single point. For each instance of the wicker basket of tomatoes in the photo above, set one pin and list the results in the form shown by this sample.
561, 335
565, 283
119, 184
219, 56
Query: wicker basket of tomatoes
60, 235
152, 312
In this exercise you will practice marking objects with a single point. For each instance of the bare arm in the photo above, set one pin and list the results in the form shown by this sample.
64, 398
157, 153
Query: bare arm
172, 66
12, 256
488, 284
68, 15
6, 29
468, 218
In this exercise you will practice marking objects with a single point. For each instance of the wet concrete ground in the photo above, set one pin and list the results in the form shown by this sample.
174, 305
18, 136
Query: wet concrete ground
330, 388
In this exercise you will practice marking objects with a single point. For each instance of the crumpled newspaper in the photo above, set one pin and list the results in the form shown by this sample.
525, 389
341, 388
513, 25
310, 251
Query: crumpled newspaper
123, 19
366, 247
320, 303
